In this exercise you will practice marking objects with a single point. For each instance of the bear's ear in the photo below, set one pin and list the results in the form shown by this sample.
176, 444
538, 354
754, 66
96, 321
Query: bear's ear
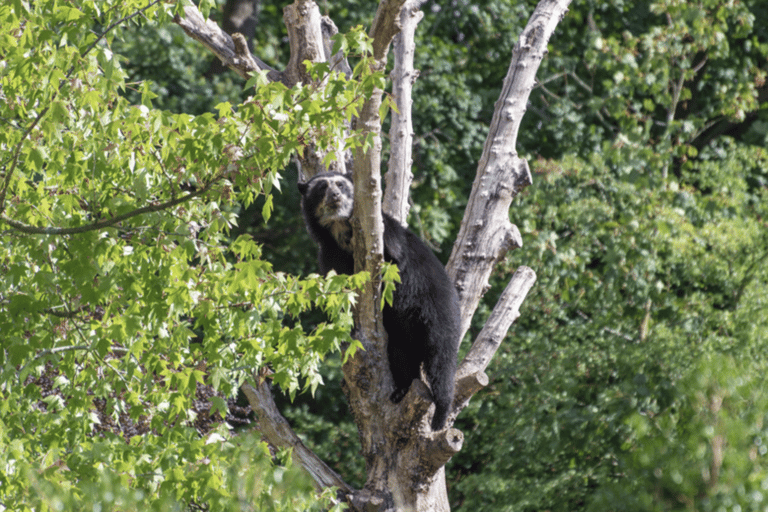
302, 187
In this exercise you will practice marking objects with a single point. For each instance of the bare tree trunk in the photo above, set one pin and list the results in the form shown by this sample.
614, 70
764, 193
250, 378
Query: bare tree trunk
404, 459
399, 175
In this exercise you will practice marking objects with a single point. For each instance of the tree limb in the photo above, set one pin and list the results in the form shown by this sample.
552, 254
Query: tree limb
399, 175
439, 449
236, 57
305, 34
470, 375
279, 433
486, 234
386, 24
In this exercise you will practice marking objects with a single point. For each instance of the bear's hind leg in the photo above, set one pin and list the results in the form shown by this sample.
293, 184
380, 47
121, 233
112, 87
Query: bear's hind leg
440, 367
405, 367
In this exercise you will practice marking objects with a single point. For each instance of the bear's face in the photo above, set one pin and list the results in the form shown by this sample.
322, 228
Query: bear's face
328, 199
332, 197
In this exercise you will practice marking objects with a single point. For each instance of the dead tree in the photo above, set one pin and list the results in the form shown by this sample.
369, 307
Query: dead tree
404, 459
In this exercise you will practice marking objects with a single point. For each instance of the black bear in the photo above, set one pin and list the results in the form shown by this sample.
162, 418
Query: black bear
423, 322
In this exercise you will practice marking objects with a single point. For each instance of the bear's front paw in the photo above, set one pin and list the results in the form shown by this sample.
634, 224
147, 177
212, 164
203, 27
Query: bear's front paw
398, 395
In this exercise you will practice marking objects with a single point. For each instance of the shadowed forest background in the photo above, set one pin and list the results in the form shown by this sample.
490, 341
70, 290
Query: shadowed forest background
635, 378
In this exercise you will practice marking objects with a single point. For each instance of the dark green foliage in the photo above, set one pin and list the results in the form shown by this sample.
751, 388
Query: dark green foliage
583, 359
621, 252
706, 449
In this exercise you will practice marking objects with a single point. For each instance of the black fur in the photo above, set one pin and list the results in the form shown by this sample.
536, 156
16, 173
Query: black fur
423, 322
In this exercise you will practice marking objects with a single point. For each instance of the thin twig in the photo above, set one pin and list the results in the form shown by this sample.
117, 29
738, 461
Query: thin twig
34, 230
65, 314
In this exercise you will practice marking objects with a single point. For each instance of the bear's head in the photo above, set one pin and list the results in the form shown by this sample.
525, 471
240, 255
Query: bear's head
326, 201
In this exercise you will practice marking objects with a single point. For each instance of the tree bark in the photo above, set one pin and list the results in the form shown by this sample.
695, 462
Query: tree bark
470, 376
404, 459
236, 57
399, 175
237, 16
276, 430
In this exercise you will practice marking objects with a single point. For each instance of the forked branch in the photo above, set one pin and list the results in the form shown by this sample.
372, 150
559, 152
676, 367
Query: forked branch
486, 234
233, 53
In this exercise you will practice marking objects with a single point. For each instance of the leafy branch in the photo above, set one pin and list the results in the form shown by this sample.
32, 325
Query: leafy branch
34, 230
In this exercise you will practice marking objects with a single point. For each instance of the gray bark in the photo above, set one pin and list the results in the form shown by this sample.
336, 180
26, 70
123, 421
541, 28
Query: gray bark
275, 428
237, 16
399, 175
